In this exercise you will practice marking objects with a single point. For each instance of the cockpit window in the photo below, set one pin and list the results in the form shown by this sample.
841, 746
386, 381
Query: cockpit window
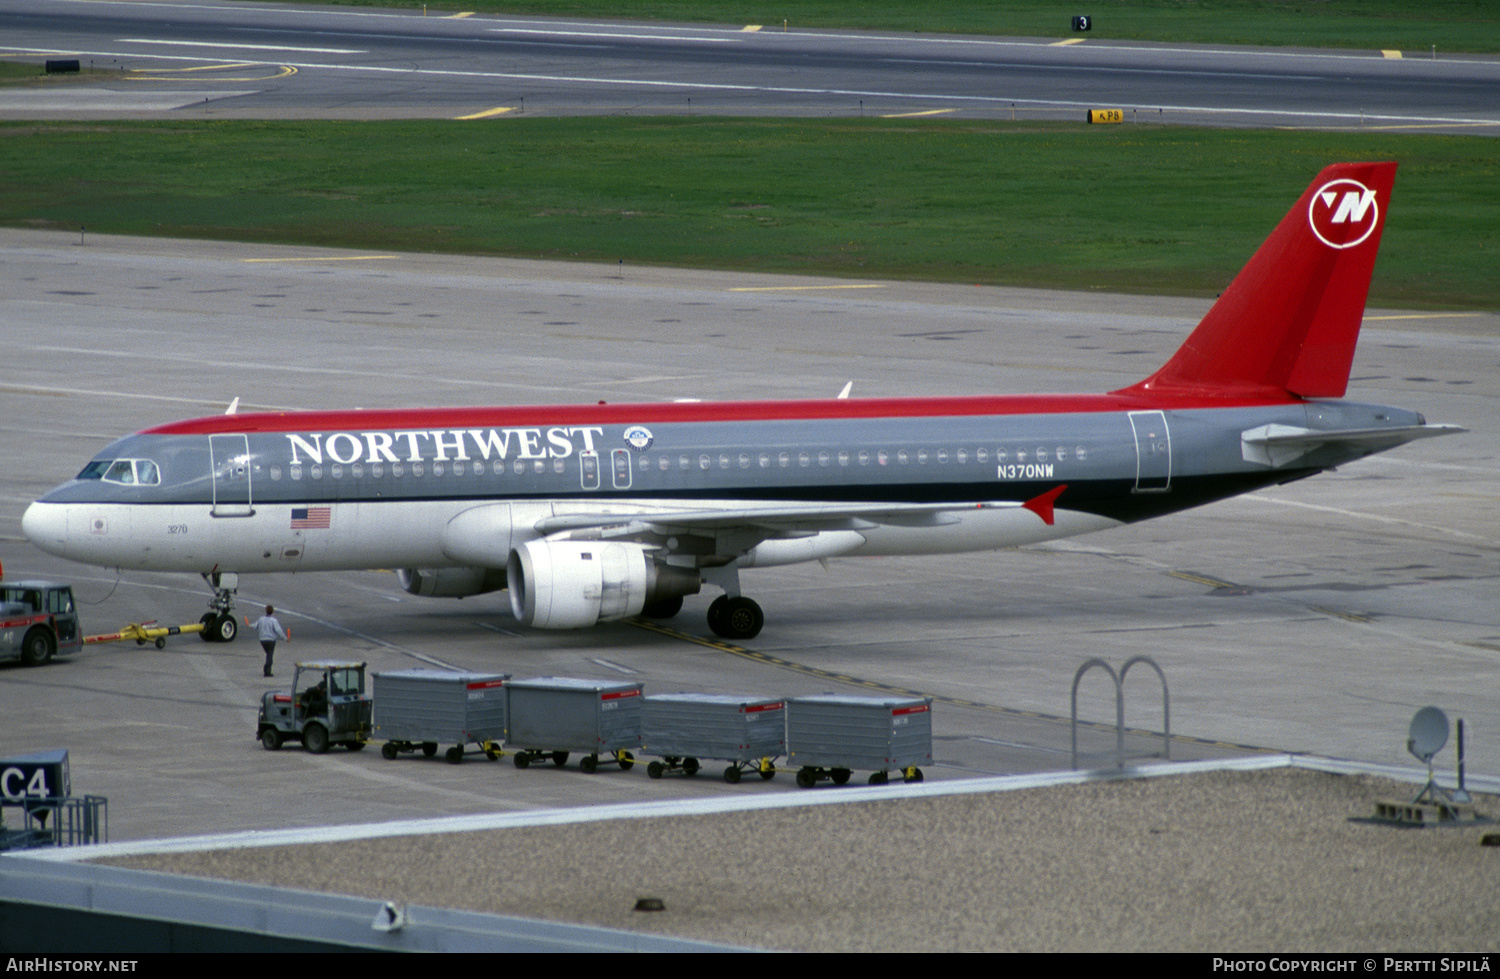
128, 472
121, 472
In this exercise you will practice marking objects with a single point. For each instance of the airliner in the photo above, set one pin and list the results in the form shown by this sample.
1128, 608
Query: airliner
597, 513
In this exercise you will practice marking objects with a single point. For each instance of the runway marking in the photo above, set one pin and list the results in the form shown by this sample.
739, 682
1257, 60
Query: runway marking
1100, 69
872, 285
154, 74
326, 258
74, 392
912, 115
1435, 125
239, 47
614, 36
1203, 579
1422, 316
164, 71
1346, 616
1463, 535
487, 113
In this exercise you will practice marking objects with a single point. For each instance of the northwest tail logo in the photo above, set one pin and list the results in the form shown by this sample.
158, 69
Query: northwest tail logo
1343, 213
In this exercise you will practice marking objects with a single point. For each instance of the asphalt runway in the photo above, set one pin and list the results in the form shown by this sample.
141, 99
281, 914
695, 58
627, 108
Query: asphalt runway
237, 60
1315, 617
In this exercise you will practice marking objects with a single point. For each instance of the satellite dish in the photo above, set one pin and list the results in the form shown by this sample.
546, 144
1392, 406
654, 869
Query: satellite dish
1428, 734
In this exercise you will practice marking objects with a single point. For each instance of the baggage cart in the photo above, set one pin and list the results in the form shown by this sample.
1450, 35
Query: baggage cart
551, 717
684, 728
829, 735
423, 708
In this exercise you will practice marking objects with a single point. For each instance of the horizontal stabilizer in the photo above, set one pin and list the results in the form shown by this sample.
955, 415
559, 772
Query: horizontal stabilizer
1280, 445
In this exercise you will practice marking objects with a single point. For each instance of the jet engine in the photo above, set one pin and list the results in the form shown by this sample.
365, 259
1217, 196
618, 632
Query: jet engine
451, 582
568, 584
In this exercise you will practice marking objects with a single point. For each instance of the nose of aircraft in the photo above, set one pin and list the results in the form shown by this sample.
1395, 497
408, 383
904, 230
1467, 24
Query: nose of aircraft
46, 526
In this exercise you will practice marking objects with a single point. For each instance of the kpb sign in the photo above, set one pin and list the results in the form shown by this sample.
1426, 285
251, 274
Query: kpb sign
31, 778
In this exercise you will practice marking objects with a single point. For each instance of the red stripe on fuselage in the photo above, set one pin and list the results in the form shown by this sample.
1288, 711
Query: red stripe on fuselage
697, 411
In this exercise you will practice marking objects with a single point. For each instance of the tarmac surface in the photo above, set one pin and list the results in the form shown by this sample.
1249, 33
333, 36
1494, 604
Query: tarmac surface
1315, 617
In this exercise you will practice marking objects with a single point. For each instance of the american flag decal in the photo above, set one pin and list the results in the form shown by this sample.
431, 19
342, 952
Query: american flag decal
311, 518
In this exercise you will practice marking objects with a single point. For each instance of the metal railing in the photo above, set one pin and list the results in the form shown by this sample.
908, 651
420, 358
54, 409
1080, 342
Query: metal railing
1119, 682
70, 821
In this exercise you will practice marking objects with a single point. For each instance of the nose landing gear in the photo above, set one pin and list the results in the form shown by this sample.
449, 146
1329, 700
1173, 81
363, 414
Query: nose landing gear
219, 624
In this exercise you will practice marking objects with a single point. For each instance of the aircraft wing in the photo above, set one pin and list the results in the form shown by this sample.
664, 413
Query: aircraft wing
773, 519
801, 531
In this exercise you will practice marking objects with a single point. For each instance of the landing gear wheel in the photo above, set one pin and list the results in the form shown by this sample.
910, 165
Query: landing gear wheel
735, 618
664, 609
455, 754
315, 739
225, 628
716, 614
588, 764
388, 751
38, 647
270, 739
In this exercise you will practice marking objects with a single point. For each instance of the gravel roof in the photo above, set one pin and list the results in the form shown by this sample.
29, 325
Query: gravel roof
1283, 860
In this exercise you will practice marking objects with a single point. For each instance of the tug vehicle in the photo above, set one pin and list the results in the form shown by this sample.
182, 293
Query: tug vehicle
326, 705
38, 621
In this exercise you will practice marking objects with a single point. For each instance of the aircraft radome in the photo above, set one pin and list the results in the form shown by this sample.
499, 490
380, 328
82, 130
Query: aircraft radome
600, 512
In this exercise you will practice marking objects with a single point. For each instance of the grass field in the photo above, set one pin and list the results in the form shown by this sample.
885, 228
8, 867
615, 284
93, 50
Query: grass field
1129, 208
1447, 25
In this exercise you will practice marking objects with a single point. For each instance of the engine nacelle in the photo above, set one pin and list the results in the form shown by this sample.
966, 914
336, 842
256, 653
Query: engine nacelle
570, 584
451, 582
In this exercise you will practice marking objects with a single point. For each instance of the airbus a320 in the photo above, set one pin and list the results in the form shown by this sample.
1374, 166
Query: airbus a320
596, 513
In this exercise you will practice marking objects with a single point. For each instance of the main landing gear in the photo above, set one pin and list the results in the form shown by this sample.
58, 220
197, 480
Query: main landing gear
219, 624
732, 615
735, 617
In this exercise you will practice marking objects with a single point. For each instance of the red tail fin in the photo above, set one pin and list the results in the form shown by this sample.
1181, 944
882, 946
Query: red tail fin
1289, 321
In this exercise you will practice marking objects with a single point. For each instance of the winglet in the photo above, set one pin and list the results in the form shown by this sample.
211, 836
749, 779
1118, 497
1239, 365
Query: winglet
1289, 321
1042, 505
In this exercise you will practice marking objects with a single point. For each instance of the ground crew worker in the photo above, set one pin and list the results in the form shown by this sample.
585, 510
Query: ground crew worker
269, 629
